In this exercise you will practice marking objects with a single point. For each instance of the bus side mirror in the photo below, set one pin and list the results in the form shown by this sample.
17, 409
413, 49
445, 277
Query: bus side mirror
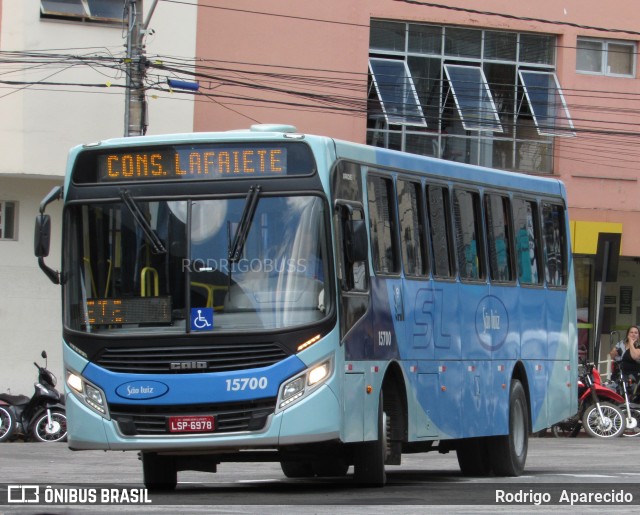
356, 241
42, 236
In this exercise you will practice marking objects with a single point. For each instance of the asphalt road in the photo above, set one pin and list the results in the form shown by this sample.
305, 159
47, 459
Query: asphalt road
558, 471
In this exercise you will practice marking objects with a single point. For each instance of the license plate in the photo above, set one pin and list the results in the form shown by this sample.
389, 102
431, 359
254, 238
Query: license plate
192, 424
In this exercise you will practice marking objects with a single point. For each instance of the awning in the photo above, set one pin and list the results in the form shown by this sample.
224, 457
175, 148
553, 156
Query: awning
584, 235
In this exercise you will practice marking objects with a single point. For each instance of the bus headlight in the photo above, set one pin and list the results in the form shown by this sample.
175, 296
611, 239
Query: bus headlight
89, 394
319, 373
303, 384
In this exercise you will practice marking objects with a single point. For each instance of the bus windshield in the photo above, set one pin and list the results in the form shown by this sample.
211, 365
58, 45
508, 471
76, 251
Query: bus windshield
164, 266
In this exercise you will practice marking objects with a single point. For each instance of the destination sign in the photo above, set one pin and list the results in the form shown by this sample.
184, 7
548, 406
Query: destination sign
192, 163
130, 310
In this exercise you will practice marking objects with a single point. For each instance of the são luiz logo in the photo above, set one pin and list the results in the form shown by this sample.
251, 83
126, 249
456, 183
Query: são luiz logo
492, 322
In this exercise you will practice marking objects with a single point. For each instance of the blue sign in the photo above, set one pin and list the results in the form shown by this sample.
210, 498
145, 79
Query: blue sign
201, 319
140, 390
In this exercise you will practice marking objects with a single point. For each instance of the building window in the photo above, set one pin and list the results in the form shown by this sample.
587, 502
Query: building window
604, 57
473, 98
546, 102
488, 98
8, 220
83, 10
396, 92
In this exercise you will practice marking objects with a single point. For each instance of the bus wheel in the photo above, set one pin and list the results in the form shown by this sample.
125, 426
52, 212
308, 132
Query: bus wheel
335, 467
509, 452
159, 473
296, 469
473, 457
369, 457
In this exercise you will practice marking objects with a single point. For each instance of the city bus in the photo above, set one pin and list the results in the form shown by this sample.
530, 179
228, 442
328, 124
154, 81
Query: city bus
266, 295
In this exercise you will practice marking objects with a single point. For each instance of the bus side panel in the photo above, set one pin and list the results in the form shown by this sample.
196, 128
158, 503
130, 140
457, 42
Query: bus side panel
480, 322
425, 404
532, 313
353, 416
447, 326
481, 328
387, 314
557, 335
419, 297
448, 415
476, 405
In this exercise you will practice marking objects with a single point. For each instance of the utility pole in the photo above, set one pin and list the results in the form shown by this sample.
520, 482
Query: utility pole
135, 112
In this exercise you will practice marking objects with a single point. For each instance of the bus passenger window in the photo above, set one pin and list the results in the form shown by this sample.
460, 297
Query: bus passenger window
382, 226
412, 236
439, 224
554, 244
498, 238
468, 235
525, 226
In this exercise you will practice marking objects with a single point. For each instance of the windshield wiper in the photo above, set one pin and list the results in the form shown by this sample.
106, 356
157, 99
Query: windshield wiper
138, 216
235, 250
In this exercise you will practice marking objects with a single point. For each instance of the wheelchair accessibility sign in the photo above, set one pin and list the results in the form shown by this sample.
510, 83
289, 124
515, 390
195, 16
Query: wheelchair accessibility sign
201, 319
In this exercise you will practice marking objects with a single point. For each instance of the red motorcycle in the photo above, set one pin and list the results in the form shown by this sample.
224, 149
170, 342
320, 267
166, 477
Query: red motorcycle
598, 410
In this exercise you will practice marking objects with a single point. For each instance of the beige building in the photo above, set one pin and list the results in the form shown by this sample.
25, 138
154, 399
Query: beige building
62, 85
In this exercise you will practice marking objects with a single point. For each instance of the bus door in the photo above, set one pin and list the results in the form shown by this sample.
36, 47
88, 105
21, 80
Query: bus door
352, 271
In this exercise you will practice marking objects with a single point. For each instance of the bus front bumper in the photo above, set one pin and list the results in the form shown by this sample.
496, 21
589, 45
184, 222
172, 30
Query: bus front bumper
313, 419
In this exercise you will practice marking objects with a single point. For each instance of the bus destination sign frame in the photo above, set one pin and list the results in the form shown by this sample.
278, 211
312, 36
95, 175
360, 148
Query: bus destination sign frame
193, 163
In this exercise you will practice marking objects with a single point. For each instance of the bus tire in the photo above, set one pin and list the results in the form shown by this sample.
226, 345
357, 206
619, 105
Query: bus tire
508, 453
369, 457
159, 473
473, 457
297, 469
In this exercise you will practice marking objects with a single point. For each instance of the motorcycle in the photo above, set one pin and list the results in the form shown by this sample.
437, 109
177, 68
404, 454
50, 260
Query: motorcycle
624, 383
41, 417
598, 411
626, 386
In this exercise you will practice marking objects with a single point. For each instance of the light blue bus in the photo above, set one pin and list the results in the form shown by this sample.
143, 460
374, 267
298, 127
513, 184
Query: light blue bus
266, 295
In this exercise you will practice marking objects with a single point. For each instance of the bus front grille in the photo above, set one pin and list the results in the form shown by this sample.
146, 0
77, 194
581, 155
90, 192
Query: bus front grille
229, 417
180, 360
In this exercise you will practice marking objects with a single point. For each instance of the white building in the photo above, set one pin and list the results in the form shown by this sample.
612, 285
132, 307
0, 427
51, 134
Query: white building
62, 78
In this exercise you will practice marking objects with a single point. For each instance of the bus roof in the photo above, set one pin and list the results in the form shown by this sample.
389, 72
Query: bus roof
365, 154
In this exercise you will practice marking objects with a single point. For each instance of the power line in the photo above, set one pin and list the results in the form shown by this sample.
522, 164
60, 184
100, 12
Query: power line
413, 2
514, 17
262, 13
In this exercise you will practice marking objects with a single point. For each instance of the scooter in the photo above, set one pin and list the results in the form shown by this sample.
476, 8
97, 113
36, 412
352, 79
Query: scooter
41, 417
598, 411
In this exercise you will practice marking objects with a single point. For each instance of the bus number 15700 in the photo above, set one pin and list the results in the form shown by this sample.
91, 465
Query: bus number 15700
246, 383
